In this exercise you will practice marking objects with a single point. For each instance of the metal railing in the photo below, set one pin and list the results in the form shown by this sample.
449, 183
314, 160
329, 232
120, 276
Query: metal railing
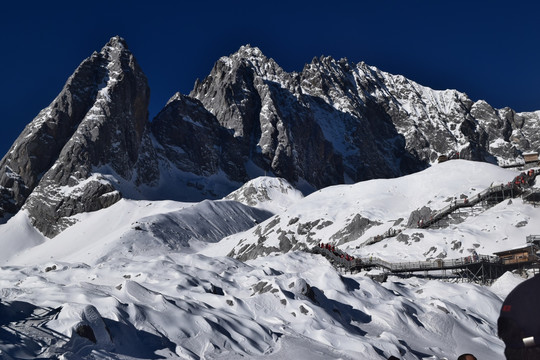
531, 239
469, 202
341, 259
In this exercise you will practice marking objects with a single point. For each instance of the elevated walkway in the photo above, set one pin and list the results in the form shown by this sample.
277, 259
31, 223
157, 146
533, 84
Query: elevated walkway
475, 268
486, 198
490, 196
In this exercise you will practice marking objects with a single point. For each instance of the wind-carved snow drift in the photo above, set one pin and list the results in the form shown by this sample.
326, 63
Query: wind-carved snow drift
334, 122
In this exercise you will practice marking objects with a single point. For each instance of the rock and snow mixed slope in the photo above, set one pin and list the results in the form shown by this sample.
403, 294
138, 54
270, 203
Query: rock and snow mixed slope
111, 247
351, 215
334, 122
271, 194
146, 280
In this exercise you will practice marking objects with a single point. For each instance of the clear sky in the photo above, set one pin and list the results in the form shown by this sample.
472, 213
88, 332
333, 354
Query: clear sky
487, 49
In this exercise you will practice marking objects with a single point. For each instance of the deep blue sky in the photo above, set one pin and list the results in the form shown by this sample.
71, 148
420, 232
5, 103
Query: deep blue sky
487, 49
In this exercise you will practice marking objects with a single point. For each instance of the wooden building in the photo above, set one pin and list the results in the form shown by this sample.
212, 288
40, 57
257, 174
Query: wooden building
520, 255
530, 157
442, 158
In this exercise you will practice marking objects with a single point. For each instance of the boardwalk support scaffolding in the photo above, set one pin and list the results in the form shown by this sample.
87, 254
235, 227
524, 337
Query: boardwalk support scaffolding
482, 269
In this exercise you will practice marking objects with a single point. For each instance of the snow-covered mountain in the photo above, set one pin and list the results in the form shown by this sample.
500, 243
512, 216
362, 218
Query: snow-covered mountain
150, 279
96, 126
123, 238
334, 122
352, 215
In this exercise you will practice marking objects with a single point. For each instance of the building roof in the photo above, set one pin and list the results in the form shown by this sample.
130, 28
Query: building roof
528, 248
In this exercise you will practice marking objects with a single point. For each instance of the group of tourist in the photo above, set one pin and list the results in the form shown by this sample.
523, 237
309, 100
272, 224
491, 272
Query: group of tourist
340, 254
523, 178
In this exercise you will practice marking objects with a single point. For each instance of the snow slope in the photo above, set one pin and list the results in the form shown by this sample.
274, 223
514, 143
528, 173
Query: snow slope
135, 227
192, 307
350, 215
149, 280
271, 194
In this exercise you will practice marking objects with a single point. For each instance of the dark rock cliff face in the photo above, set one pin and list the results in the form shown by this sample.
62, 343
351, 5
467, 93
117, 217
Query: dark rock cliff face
106, 138
40, 143
317, 127
253, 97
359, 126
337, 121
334, 122
192, 139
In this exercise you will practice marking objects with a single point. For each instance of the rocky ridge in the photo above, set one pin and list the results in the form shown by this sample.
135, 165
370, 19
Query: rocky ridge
334, 122
98, 125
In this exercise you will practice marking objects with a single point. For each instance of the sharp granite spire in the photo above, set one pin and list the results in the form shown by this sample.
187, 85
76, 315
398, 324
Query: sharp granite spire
334, 122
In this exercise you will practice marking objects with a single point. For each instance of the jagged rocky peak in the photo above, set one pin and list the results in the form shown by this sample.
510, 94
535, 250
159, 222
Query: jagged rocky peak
370, 123
101, 142
239, 72
116, 42
113, 127
331, 123
42, 140
193, 140
252, 96
254, 58
337, 82
175, 97
229, 93
249, 52
323, 61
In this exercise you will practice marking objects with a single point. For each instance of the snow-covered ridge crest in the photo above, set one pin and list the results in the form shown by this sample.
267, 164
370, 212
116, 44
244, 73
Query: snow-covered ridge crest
129, 228
334, 122
272, 194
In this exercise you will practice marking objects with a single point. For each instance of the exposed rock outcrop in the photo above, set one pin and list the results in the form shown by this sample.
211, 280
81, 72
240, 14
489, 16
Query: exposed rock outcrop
193, 140
256, 99
334, 122
102, 139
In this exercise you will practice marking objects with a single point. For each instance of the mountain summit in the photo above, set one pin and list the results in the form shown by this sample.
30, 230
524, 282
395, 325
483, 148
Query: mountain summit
95, 126
334, 122
144, 264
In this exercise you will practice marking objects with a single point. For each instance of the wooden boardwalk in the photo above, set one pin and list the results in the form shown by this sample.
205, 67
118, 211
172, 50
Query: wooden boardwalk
480, 268
491, 196
519, 186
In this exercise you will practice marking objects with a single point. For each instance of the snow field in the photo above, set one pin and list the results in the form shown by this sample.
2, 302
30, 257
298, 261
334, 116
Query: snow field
151, 279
